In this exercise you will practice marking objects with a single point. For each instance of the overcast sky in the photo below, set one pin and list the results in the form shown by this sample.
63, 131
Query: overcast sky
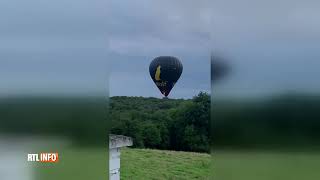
141, 31
272, 45
70, 46
53, 47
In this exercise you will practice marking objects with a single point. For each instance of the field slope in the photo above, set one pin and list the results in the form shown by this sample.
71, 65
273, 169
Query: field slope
160, 164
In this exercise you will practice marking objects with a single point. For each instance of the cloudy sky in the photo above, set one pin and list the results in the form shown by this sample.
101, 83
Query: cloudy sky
141, 31
53, 47
69, 47
272, 46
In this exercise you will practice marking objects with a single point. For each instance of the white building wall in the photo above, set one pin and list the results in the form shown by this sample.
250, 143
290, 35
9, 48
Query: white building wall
114, 163
116, 142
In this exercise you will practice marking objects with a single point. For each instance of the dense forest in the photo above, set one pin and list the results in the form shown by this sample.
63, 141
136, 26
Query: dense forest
174, 124
177, 124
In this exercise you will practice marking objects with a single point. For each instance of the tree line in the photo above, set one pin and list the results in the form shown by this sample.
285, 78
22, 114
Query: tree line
174, 124
177, 124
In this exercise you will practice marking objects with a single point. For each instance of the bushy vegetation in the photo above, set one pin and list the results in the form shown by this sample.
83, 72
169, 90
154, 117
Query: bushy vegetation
173, 124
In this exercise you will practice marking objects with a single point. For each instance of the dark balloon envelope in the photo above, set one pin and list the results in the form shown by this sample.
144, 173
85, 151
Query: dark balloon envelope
165, 72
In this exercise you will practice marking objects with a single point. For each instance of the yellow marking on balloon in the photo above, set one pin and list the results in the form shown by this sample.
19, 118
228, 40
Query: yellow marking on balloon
158, 72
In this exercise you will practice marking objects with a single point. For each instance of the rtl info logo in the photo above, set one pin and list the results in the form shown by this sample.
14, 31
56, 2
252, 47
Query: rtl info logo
44, 157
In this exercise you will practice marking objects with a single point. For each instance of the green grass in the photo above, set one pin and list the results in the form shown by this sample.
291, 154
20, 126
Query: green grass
75, 163
239, 165
158, 164
137, 164
144, 164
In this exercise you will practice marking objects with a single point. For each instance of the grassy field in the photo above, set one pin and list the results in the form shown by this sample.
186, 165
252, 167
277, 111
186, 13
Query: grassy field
241, 165
75, 163
157, 164
144, 164
136, 164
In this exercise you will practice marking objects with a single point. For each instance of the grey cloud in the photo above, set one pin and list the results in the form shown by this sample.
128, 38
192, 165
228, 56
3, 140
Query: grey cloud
151, 26
53, 47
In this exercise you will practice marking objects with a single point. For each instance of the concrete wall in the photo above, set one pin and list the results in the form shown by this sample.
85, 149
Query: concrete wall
116, 142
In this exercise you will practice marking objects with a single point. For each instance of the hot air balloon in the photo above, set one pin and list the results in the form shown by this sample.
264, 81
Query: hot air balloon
165, 72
